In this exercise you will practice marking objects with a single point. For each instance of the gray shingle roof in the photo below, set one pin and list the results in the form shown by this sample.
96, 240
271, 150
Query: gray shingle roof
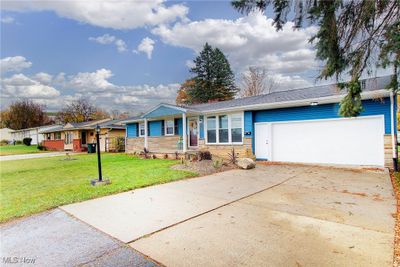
291, 95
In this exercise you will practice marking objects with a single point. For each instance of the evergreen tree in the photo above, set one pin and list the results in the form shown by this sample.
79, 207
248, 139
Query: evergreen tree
353, 37
214, 78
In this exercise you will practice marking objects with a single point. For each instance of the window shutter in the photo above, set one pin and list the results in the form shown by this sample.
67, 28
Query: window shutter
163, 127
137, 129
176, 127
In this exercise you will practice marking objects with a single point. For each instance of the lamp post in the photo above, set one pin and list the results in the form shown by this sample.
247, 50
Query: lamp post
99, 181
98, 152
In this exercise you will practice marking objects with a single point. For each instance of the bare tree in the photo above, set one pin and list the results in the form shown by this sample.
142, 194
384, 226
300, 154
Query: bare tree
79, 111
257, 81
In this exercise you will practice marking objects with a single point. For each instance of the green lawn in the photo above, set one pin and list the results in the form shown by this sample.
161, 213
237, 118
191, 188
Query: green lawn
34, 185
18, 149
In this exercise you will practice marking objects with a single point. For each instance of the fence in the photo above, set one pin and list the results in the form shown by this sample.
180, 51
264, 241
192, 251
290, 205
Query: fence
115, 144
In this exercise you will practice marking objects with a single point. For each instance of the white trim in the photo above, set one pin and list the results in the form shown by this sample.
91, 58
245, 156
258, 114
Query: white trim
392, 125
139, 130
163, 105
329, 119
198, 131
145, 134
184, 134
217, 128
173, 127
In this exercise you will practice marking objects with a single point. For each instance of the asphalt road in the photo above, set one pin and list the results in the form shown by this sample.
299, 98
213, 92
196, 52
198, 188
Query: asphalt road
55, 238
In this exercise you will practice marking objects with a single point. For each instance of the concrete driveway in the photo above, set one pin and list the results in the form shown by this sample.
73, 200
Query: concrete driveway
280, 215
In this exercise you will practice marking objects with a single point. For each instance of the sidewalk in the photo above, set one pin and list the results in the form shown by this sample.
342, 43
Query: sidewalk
35, 156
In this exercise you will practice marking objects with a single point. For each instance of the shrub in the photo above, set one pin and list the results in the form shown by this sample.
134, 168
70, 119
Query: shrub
233, 156
27, 141
19, 142
41, 147
204, 155
120, 144
4, 142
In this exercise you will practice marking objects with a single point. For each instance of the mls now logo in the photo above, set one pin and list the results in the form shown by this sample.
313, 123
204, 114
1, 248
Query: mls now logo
14, 260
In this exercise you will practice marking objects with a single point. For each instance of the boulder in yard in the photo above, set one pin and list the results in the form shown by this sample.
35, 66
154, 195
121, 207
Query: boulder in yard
246, 163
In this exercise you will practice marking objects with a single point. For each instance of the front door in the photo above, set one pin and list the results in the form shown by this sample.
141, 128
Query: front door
262, 140
83, 137
193, 132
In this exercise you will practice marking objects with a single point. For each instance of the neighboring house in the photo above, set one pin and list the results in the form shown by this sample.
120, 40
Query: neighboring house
77, 136
299, 125
5, 134
34, 133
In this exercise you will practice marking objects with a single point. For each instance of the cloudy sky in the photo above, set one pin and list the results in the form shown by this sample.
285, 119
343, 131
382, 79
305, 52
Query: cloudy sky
129, 55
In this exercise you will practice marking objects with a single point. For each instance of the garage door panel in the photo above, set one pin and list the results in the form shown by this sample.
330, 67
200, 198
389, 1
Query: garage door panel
358, 141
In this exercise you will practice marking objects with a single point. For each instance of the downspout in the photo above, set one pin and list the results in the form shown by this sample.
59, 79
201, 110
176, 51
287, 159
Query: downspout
392, 125
145, 134
126, 138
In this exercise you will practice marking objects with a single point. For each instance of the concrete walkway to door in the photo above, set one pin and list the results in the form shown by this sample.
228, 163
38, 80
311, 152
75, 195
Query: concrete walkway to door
281, 215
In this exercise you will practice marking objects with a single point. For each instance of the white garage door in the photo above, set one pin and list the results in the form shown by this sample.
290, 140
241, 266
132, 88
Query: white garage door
355, 141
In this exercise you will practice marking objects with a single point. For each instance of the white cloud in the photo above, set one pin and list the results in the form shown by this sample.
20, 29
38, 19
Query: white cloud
94, 86
284, 82
7, 20
247, 41
104, 39
146, 46
115, 14
190, 64
20, 85
43, 77
126, 99
91, 81
110, 39
121, 45
16, 63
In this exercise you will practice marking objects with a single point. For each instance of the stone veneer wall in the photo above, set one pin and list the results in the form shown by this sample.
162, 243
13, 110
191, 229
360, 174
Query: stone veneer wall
388, 151
163, 143
134, 144
222, 151
155, 144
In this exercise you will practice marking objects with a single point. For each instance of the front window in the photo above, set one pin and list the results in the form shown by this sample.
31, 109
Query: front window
211, 129
57, 136
169, 127
68, 138
225, 129
141, 129
236, 128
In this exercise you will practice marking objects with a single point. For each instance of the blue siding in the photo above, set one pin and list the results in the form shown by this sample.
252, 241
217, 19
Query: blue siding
179, 122
131, 130
155, 128
201, 127
248, 123
162, 111
327, 111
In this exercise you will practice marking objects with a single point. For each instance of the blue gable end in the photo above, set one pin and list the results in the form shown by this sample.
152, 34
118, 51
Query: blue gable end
131, 130
326, 111
163, 111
